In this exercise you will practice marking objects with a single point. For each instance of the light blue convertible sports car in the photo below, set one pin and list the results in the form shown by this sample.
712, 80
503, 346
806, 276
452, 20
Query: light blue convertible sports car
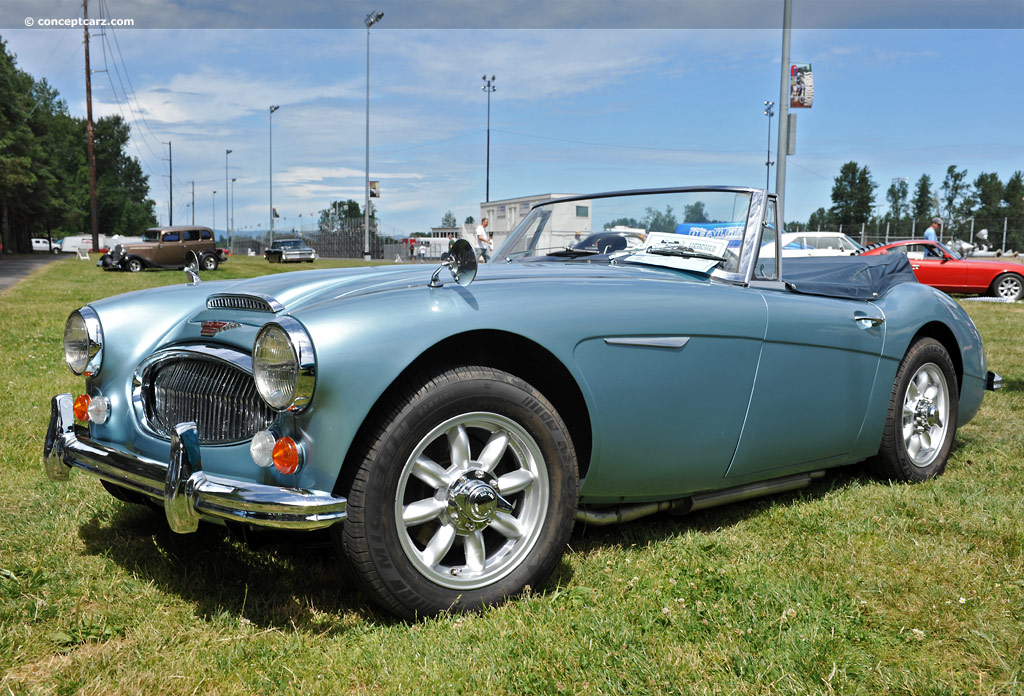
449, 428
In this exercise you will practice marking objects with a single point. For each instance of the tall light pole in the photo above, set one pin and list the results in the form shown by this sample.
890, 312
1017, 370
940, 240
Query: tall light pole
232, 228
489, 88
783, 147
273, 108
214, 208
768, 106
371, 19
227, 225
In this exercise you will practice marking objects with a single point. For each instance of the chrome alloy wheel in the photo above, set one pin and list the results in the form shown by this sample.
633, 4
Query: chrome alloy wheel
925, 414
471, 500
1009, 287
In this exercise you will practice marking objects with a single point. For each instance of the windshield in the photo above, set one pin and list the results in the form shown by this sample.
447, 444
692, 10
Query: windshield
558, 228
949, 251
289, 244
151, 235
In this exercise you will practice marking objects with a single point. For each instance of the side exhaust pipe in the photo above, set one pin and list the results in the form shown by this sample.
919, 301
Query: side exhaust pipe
600, 516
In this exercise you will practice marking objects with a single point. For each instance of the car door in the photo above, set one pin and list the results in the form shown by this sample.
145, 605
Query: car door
814, 380
933, 268
190, 242
169, 249
669, 384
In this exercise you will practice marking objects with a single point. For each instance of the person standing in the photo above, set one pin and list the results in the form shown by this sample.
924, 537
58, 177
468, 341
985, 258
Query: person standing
423, 252
484, 241
931, 234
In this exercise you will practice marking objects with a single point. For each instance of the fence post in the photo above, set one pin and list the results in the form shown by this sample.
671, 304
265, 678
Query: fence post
913, 228
862, 237
887, 233
1004, 234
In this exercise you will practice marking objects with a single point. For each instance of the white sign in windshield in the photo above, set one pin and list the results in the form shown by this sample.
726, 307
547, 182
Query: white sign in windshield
683, 251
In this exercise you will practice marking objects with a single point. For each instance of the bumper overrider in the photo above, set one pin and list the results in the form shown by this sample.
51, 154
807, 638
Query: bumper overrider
187, 492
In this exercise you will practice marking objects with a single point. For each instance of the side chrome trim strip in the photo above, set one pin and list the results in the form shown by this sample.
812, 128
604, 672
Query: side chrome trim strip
650, 342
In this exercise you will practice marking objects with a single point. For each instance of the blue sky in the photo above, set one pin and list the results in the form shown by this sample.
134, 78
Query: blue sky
576, 109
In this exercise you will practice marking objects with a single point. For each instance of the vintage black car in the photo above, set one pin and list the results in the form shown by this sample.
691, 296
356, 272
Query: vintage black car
289, 251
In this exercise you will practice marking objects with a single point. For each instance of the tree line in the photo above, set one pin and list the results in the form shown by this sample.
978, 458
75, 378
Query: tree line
986, 201
44, 173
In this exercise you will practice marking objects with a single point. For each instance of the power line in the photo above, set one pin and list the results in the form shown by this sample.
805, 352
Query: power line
117, 45
127, 98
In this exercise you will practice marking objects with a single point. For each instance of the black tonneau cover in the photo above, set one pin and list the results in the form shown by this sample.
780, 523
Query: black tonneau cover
848, 277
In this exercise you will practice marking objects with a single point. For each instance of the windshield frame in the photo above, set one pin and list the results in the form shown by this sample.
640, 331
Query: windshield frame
751, 232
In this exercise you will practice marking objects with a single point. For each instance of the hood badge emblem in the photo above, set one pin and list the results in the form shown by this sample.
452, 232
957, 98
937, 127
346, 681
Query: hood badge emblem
212, 328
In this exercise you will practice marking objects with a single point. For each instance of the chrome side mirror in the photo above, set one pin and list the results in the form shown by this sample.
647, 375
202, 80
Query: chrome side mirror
461, 262
192, 268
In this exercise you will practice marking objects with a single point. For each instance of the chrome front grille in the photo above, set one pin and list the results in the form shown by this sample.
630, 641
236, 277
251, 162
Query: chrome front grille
218, 395
252, 303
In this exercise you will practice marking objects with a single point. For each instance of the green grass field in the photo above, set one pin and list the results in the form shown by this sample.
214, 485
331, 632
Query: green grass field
851, 586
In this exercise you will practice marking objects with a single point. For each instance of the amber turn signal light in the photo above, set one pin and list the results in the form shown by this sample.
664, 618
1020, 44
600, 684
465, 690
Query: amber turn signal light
81, 408
286, 455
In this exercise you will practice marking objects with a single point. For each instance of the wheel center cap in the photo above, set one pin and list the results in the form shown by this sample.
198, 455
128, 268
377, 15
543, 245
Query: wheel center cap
926, 416
473, 501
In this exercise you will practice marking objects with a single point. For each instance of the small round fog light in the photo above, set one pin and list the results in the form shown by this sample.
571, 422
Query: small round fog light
262, 448
99, 410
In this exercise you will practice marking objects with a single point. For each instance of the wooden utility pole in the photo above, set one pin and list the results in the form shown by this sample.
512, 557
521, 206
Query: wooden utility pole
93, 203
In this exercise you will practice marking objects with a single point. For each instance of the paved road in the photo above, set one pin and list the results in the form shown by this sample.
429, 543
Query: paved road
14, 267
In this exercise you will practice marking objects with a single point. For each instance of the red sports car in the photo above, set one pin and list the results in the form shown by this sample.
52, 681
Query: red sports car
943, 268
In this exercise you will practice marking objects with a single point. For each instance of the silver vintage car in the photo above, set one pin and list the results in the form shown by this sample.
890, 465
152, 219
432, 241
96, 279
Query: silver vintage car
449, 427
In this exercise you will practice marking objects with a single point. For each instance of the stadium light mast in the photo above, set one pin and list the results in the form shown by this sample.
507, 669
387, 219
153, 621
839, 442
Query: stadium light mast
489, 88
370, 20
768, 106
273, 108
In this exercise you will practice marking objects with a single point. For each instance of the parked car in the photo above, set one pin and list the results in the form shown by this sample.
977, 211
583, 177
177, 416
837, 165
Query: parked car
612, 240
818, 244
289, 251
45, 245
166, 247
450, 431
939, 266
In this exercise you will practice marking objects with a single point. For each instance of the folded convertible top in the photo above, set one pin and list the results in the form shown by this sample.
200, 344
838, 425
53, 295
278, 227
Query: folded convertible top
848, 277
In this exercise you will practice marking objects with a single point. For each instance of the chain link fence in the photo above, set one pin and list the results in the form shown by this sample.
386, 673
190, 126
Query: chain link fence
343, 241
1000, 235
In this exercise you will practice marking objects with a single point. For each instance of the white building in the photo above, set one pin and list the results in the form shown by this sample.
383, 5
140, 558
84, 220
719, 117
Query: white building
504, 215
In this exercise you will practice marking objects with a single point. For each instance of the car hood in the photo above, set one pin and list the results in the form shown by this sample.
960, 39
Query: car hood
305, 288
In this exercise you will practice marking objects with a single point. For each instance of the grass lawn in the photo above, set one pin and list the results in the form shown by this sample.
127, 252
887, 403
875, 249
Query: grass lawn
851, 586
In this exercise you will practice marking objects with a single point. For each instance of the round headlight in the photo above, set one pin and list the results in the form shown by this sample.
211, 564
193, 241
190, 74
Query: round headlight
83, 342
283, 365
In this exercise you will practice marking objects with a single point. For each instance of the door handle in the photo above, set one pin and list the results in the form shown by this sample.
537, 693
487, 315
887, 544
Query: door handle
915, 266
868, 322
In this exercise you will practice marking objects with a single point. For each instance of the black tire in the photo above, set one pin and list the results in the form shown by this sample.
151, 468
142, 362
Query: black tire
134, 265
507, 510
209, 262
1008, 286
922, 417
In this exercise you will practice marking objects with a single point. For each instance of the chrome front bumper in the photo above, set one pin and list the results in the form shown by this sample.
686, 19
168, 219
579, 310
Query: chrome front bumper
187, 492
